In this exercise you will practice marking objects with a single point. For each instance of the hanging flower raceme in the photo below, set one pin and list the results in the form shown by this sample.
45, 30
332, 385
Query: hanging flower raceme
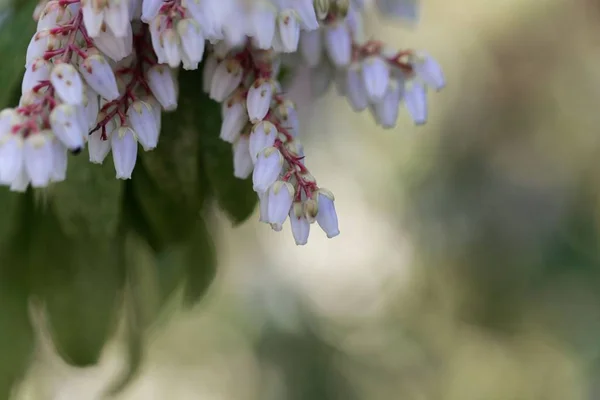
101, 72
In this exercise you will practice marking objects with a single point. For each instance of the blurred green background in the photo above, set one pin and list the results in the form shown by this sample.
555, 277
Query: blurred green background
468, 267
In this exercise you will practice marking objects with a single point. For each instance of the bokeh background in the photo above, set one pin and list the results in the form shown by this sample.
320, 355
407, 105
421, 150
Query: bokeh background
468, 267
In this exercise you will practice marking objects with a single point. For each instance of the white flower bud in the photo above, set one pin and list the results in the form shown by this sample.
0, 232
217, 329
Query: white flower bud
99, 76
259, 99
170, 41
281, 196
262, 25
242, 162
355, 89
263, 206
388, 108
92, 17
415, 100
326, 215
21, 181
157, 28
376, 76
59, 161
338, 43
40, 43
428, 70
288, 116
11, 158
234, 120
227, 77
192, 42
299, 224
124, 150
38, 70
150, 9
38, 158
311, 47
306, 14
68, 85
263, 135
143, 122
163, 85
98, 149
116, 15
267, 169
289, 30
116, 48
66, 125
208, 72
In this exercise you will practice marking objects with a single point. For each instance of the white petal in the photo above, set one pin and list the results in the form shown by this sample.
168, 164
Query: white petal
376, 76
327, 216
429, 71
67, 127
98, 148
38, 70
38, 157
68, 85
124, 149
355, 89
299, 224
92, 18
242, 162
388, 108
192, 41
117, 18
116, 48
259, 99
289, 30
150, 9
338, 43
98, 73
163, 85
142, 120
306, 14
263, 135
11, 158
281, 196
415, 100
226, 79
267, 169
235, 118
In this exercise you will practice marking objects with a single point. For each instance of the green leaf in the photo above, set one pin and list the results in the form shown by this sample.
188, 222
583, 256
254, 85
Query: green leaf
9, 202
234, 196
15, 33
89, 201
80, 281
160, 219
16, 333
201, 264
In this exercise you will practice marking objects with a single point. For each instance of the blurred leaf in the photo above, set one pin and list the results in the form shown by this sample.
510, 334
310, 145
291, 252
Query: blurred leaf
159, 218
8, 204
15, 33
201, 264
80, 280
16, 333
89, 201
234, 196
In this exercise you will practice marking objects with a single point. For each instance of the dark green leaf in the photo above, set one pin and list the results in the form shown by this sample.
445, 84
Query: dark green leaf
15, 33
80, 281
201, 264
8, 219
156, 216
235, 196
88, 203
16, 334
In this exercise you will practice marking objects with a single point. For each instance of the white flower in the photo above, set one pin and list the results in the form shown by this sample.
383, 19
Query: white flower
98, 74
281, 196
299, 224
124, 149
163, 85
415, 100
235, 118
142, 120
262, 135
327, 216
267, 169
67, 126
67, 83
11, 158
39, 158
259, 99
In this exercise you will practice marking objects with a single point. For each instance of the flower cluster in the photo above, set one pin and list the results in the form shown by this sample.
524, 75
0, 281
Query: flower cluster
101, 72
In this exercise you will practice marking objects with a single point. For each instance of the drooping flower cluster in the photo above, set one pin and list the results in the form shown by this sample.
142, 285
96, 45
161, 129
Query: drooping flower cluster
101, 72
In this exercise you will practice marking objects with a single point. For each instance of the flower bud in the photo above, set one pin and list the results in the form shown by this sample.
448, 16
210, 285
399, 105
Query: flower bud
124, 148
267, 169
